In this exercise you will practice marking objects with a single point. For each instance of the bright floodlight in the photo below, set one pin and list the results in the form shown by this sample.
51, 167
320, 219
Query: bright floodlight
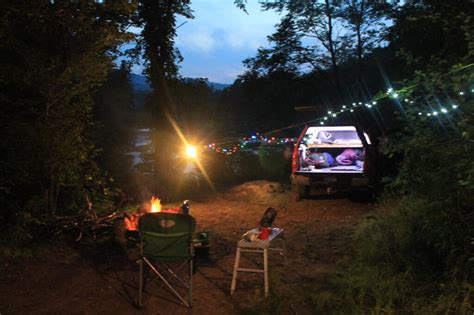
191, 151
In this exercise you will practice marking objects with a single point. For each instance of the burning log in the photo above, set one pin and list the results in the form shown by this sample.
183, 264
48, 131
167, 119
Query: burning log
88, 224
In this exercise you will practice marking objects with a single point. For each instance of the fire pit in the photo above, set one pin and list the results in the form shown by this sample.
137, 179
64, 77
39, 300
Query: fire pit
131, 220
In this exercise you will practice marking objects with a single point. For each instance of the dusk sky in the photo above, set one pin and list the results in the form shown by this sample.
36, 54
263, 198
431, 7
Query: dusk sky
220, 36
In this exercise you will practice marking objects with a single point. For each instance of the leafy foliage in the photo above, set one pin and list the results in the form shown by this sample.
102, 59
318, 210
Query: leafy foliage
285, 57
416, 255
419, 257
54, 57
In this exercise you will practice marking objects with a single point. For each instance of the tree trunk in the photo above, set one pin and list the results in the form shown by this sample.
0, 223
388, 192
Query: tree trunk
51, 195
162, 129
332, 51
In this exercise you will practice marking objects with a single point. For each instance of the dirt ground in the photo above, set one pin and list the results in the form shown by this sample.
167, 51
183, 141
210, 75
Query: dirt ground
99, 278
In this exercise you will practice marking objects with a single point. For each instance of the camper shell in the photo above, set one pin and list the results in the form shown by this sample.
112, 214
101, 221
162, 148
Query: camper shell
329, 157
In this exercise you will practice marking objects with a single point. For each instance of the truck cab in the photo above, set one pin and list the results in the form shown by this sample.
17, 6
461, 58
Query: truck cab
330, 158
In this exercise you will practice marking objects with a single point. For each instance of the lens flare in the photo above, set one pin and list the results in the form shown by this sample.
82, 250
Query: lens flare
191, 151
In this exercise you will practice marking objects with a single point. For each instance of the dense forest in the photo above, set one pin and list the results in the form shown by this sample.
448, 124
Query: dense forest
69, 115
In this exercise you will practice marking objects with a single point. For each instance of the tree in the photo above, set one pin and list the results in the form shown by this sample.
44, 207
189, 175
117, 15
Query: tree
285, 56
54, 56
157, 18
367, 21
319, 21
113, 131
428, 31
431, 222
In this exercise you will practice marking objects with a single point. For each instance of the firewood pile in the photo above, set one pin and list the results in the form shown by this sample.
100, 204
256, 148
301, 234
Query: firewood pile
87, 224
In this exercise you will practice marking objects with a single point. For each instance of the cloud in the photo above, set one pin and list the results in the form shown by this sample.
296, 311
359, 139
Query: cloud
219, 23
200, 41
220, 36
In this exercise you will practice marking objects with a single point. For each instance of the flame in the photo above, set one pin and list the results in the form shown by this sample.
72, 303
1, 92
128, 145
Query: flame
155, 204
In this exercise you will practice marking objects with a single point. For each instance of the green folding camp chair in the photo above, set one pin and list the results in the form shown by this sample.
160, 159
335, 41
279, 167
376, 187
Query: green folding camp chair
166, 238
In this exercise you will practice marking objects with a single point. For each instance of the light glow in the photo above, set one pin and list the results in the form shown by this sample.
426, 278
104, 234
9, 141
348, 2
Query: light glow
155, 204
191, 151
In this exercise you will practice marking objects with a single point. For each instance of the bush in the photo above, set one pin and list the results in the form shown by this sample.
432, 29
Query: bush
416, 259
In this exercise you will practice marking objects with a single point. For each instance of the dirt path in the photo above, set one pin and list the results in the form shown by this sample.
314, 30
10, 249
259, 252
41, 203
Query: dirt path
100, 279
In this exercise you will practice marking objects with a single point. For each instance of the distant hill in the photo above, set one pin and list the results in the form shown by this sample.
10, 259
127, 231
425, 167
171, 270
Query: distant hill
218, 86
140, 84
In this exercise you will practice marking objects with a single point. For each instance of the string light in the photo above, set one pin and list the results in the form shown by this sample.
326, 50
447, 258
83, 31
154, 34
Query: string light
257, 138
244, 142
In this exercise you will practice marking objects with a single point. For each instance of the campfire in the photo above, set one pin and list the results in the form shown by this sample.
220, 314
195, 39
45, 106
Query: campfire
131, 220
155, 204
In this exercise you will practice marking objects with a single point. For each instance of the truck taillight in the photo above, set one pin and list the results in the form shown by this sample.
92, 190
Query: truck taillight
294, 163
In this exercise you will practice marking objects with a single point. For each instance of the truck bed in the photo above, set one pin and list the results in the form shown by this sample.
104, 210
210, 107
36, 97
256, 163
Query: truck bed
333, 169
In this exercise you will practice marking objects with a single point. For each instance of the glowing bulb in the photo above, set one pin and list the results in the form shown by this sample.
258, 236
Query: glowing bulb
420, 113
343, 106
444, 110
395, 95
333, 115
455, 106
435, 113
374, 103
329, 112
321, 123
352, 110
461, 93
325, 118
191, 151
